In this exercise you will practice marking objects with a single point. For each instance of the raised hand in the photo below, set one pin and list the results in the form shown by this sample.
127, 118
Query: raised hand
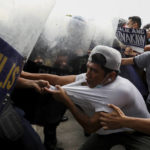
112, 120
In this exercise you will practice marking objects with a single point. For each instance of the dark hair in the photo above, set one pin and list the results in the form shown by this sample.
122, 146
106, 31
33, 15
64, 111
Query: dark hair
147, 26
136, 19
100, 59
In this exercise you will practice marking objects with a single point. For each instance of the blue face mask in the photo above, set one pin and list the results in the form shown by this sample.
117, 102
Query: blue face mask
99, 85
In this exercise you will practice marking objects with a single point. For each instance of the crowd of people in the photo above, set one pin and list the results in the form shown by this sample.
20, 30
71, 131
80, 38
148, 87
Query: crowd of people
112, 106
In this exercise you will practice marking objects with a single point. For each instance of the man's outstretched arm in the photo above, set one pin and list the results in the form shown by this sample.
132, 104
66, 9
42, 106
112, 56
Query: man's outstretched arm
90, 124
51, 78
127, 61
38, 85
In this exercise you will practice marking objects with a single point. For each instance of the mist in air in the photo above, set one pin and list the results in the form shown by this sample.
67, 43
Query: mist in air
76, 26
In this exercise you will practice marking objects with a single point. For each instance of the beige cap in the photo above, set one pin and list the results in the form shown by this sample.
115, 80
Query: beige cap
112, 56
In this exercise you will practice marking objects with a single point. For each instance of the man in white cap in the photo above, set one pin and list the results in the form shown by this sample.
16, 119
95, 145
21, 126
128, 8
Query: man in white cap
93, 91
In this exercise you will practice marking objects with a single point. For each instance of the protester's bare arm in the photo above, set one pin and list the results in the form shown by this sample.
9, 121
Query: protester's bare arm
127, 61
38, 85
52, 79
90, 124
117, 119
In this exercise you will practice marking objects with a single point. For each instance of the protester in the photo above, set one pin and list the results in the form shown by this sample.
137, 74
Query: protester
134, 22
93, 91
131, 72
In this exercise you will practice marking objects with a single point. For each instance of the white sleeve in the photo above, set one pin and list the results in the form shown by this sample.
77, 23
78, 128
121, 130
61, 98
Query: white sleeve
80, 77
104, 108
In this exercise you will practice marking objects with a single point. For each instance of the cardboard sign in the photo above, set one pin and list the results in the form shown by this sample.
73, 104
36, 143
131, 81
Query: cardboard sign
11, 63
135, 38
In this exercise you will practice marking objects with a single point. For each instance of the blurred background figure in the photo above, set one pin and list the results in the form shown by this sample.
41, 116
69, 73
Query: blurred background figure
131, 72
61, 61
147, 46
39, 60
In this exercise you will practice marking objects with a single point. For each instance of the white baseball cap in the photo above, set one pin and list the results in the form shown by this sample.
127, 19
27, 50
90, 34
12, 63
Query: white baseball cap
112, 56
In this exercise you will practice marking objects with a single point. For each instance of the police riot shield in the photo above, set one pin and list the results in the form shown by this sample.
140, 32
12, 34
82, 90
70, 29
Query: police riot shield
21, 22
66, 41
63, 45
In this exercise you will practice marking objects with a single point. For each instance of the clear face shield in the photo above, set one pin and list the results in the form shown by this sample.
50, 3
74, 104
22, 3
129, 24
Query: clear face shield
20, 26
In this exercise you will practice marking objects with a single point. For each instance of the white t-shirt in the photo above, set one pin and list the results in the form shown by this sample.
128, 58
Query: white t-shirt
121, 92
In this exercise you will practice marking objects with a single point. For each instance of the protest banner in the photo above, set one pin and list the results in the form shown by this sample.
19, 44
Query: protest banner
135, 38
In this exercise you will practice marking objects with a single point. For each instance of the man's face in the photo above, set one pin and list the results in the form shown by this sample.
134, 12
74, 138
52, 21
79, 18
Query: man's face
94, 75
131, 24
148, 33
